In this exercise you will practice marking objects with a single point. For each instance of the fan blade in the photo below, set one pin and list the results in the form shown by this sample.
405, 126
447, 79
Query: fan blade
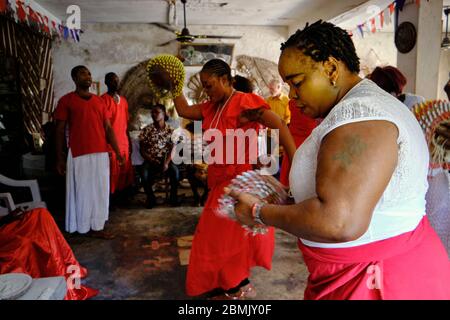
166, 43
163, 26
215, 37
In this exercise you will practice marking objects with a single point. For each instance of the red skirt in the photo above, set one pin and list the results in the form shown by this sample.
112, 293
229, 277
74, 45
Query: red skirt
222, 253
413, 265
120, 176
34, 245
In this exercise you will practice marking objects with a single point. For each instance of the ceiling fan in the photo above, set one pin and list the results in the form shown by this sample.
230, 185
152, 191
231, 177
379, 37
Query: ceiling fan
185, 36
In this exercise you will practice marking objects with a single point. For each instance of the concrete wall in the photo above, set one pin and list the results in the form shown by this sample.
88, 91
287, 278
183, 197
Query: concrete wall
376, 49
118, 47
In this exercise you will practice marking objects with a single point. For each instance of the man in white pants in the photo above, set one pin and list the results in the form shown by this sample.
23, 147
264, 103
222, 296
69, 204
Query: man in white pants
87, 176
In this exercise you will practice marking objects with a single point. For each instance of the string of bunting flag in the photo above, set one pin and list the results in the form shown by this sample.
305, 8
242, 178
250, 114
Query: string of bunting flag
21, 12
380, 19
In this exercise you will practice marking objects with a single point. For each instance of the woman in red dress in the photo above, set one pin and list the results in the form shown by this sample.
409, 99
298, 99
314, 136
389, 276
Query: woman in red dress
300, 127
222, 254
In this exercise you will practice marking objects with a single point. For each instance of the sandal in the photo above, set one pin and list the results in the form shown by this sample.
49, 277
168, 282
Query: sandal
245, 292
248, 291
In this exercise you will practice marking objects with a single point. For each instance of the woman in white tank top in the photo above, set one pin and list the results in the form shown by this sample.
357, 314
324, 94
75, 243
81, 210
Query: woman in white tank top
359, 181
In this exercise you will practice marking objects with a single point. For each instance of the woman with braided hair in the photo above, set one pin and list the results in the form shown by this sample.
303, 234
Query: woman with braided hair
222, 253
359, 181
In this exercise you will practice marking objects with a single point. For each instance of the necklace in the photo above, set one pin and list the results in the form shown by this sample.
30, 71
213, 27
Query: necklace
218, 114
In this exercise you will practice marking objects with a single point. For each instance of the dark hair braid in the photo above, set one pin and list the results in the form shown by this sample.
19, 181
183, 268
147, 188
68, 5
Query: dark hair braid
321, 40
218, 68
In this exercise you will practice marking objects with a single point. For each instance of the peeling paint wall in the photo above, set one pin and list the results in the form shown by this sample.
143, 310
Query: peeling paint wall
375, 49
118, 47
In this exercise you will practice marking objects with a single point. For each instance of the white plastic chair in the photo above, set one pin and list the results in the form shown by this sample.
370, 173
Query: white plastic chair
8, 199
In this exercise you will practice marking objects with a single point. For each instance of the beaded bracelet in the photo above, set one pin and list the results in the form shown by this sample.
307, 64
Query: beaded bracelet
256, 212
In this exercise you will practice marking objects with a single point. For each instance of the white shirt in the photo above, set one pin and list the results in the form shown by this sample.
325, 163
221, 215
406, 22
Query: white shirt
412, 99
402, 205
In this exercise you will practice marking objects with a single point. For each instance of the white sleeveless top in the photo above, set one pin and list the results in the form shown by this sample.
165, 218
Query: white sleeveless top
402, 205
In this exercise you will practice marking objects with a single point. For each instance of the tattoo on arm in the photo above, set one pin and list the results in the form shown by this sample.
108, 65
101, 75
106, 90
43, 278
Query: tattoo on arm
353, 147
253, 114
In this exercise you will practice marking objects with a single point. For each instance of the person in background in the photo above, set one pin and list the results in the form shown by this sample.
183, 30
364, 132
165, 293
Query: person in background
156, 147
242, 84
121, 176
197, 172
300, 127
278, 101
359, 181
392, 80
88, 120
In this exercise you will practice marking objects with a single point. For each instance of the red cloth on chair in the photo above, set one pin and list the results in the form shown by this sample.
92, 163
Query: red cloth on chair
411, 266
222, 253
34, 245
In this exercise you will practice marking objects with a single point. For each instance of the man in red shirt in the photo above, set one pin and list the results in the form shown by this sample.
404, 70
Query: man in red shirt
121, 176
87, 180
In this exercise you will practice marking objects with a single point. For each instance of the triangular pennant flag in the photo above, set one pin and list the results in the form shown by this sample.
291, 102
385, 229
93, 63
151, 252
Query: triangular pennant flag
373, 28
381, 20
21, 13
75, 35
361, 31
3, 5
399, 4
29, 13
13, 9
367, 26
39, 19
54, 28
66, 33
392, 8
387, 16
45, 25
33, 20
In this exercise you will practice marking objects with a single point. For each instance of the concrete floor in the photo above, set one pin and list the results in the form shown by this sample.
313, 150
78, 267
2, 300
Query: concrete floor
148, 257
